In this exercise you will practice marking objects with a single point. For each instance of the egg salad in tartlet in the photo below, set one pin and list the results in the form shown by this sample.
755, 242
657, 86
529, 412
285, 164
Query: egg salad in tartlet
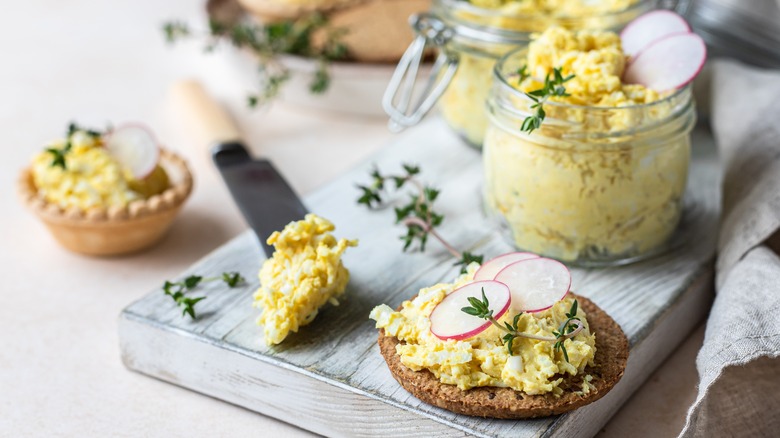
503, 349
106, 193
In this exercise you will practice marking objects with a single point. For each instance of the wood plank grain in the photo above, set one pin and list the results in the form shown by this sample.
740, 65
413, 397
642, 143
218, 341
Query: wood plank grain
335, 360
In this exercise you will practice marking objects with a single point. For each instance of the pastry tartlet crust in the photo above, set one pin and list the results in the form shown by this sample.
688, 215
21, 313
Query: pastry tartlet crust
101, 231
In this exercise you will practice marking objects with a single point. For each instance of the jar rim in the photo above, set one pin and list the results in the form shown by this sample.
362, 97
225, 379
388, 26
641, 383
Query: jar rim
465, 5
505, 85
480, 31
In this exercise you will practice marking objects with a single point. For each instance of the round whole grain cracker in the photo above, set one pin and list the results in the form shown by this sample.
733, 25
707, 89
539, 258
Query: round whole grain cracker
610, 363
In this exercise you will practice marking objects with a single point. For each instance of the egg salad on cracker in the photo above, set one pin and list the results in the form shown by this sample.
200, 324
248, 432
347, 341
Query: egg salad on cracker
304, 273
534, 367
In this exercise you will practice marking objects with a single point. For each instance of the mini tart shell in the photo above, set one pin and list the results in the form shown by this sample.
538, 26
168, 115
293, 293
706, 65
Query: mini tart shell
492, 402
115, 230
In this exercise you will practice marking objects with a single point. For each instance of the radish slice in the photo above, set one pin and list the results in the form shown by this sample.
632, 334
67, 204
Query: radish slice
449, 322
536, 284
667, 64
135, 148
651, 27
491, 268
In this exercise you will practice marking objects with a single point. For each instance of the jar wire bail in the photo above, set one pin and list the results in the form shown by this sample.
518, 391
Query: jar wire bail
682, 7
397, 100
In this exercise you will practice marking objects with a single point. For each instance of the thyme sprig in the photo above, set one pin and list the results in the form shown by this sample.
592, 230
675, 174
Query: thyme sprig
94, 133
58, 159
523, 74
177, 290
553, 87
569, 329
268, 41
418, 215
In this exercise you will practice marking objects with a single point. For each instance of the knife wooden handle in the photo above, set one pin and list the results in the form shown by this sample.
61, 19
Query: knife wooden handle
208, 120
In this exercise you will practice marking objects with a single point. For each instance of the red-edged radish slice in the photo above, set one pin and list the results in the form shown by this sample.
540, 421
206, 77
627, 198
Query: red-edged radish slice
668, 64
449, 322
651, 27
135, 148
491, 268
536, 284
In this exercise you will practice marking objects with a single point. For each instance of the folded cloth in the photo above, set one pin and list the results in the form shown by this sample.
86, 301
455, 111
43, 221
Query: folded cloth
739, 363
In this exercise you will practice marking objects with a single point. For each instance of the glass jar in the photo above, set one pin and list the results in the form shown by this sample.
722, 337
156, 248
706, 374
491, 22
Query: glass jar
470, 39
592, 186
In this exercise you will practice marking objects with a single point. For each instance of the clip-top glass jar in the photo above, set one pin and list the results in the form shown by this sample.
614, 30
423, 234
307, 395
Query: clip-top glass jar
592, 186
470, 39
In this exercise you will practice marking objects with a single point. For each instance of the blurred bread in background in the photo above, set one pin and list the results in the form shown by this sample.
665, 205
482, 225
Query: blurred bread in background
377, 31
291, 9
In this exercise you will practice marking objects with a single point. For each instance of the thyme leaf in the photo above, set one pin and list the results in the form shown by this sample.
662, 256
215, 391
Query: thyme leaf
58, 154
177, 290
523, 74
480, 308
553, 87
58, 159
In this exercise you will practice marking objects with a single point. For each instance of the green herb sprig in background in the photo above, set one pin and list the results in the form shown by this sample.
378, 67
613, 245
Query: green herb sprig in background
553, 87
418, 214
267, 41
177, 290
569, 329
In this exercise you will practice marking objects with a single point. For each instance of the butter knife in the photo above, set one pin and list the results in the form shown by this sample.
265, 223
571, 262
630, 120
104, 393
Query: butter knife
265, 199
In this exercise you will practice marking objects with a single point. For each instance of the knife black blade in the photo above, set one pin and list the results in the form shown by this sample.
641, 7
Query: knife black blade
266, 200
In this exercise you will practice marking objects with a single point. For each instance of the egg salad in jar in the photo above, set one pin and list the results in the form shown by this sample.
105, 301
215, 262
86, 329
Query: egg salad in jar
602, 180
479, 32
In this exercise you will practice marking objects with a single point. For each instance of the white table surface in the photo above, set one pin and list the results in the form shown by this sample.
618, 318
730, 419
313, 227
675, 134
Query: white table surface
95, 62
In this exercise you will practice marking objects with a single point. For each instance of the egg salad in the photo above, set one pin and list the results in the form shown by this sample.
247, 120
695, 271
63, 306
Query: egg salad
555, 7
88, 176
596, 60
530, 16
304, 273
483, 360
462, 105
604, 176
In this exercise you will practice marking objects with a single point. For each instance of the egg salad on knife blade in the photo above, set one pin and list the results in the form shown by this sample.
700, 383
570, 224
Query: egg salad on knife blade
304, 273
507, 339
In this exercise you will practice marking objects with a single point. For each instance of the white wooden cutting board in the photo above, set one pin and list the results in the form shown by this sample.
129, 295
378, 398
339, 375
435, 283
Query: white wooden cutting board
330, 378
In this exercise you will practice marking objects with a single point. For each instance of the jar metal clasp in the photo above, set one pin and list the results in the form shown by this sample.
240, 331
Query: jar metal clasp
397, 100
682, 7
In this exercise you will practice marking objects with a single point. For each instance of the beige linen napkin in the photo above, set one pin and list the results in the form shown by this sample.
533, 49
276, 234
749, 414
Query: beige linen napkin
739, 363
